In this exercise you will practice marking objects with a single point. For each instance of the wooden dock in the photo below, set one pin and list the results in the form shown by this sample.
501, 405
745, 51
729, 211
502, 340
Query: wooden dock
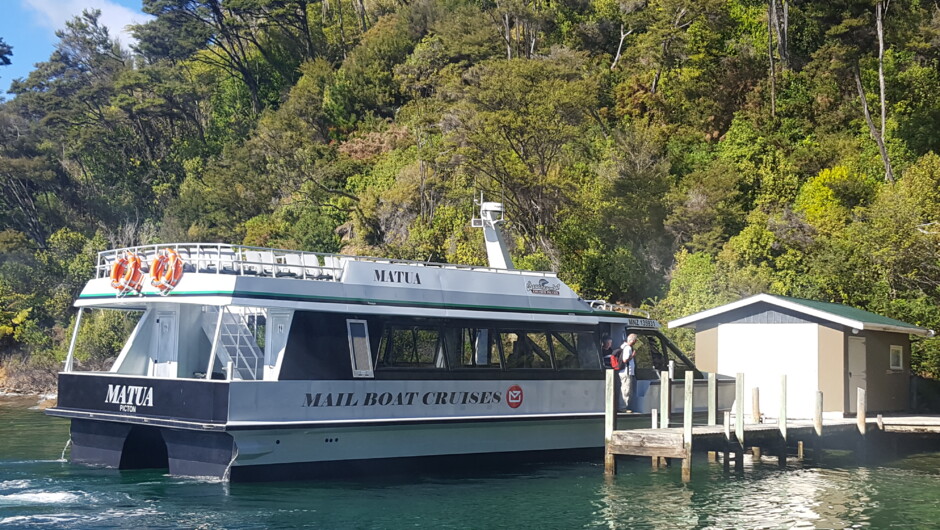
661, 441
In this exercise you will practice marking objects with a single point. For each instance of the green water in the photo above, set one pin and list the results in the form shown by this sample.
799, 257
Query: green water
38, 489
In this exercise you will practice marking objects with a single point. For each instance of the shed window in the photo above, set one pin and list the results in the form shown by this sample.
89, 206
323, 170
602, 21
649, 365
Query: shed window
896, 359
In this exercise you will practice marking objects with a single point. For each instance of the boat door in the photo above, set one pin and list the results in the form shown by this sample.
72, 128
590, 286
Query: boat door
163, 345
276, 330
857, 367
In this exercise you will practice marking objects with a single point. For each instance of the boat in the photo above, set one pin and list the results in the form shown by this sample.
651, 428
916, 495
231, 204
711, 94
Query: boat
252, 363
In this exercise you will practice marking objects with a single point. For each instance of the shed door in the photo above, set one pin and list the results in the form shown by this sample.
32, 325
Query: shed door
857, 353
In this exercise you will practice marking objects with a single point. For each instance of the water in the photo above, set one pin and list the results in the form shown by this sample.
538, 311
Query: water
38, 489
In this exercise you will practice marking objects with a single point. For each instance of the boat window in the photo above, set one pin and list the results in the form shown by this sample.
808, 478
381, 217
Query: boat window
471, 348
575, 351
525, 350
588, 351
412, 347
359, 348
566, 353
653, 355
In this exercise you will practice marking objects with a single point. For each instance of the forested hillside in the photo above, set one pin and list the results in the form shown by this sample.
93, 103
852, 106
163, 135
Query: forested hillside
673, 153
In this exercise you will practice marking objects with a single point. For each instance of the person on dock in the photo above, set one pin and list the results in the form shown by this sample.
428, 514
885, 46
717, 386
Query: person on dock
627, 372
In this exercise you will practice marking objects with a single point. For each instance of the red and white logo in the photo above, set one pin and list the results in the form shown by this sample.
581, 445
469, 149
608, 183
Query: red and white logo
514, 396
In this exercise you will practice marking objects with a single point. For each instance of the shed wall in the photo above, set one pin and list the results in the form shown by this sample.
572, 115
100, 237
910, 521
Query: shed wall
764, 352
832, 368
706, 349
888, 390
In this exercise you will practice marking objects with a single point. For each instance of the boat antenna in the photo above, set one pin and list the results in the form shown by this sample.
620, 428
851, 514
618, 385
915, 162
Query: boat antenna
491, 216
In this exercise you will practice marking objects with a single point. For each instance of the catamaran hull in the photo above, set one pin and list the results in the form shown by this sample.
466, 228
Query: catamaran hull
245, 430
335, 450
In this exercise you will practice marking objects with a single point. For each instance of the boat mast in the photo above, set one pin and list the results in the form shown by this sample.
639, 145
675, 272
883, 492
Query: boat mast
491, 216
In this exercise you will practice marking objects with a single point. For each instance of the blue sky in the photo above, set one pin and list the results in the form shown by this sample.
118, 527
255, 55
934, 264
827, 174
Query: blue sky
29, 27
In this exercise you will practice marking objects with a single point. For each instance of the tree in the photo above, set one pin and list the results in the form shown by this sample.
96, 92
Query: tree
519, 121
6, 51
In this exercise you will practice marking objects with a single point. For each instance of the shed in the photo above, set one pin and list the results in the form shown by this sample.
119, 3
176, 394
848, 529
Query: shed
818, 345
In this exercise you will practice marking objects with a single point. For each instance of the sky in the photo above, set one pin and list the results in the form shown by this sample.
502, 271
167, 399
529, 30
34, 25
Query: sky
29, 26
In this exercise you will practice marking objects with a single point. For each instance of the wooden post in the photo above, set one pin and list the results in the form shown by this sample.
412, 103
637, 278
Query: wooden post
799, 450
687, 426
664, 405
818, 425
654, 414
739, 409
712, 399
727, 454
755, 405
755, 417
860, 419
782, 421
712, 409
860, 412
610, 421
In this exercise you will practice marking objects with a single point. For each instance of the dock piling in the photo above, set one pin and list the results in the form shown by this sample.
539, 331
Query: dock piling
782, 421
687, 426
755, 418
739, 409
654, 415
610, 421
664, 405
860, 421
818, 426
712, 408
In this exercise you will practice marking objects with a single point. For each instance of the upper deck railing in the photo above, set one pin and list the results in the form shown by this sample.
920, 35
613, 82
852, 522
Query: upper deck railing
604, 305
218, 258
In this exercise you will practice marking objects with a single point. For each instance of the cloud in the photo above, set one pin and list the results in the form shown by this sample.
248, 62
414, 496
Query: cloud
53, 14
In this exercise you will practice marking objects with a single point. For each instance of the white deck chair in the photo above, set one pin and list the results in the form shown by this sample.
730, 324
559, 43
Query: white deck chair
267, 258
227, 259
205, 259
292, 265
333, 267
312, 266
252, 262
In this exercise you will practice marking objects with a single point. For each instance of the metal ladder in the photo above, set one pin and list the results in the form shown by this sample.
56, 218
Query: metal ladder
236, 342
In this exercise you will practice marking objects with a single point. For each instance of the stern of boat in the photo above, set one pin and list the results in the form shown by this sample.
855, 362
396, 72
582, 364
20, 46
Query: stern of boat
144, 422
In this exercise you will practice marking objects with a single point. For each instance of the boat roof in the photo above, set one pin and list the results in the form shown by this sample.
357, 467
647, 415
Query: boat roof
222, 274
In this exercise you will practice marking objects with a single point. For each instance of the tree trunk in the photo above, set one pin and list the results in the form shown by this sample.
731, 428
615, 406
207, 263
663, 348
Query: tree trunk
771, 15
880, 9
781, 25
623, 36
889, 174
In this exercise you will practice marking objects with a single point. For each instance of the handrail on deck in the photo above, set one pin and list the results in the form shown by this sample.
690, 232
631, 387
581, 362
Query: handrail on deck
604, 305
220, 258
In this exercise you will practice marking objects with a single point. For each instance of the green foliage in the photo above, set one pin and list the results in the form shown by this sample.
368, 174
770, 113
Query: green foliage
827, 200
682, 175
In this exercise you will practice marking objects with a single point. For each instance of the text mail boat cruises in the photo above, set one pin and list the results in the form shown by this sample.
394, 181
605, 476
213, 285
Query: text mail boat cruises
256, 363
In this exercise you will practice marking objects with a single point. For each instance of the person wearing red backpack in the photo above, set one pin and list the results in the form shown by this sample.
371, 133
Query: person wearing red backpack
624, 357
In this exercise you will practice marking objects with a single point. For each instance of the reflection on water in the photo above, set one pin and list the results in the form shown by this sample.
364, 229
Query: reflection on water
38, 489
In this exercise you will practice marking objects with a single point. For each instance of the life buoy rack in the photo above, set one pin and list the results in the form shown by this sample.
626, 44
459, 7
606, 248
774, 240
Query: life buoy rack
166, 270
126, 275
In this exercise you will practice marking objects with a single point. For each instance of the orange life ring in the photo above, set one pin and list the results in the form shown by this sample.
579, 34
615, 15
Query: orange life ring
126, 274
166, 270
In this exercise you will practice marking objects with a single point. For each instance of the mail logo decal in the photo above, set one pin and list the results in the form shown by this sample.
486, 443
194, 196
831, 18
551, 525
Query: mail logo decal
514, 396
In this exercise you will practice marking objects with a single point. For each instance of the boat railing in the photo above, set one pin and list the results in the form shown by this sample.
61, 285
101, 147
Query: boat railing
604, 305
219, 258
